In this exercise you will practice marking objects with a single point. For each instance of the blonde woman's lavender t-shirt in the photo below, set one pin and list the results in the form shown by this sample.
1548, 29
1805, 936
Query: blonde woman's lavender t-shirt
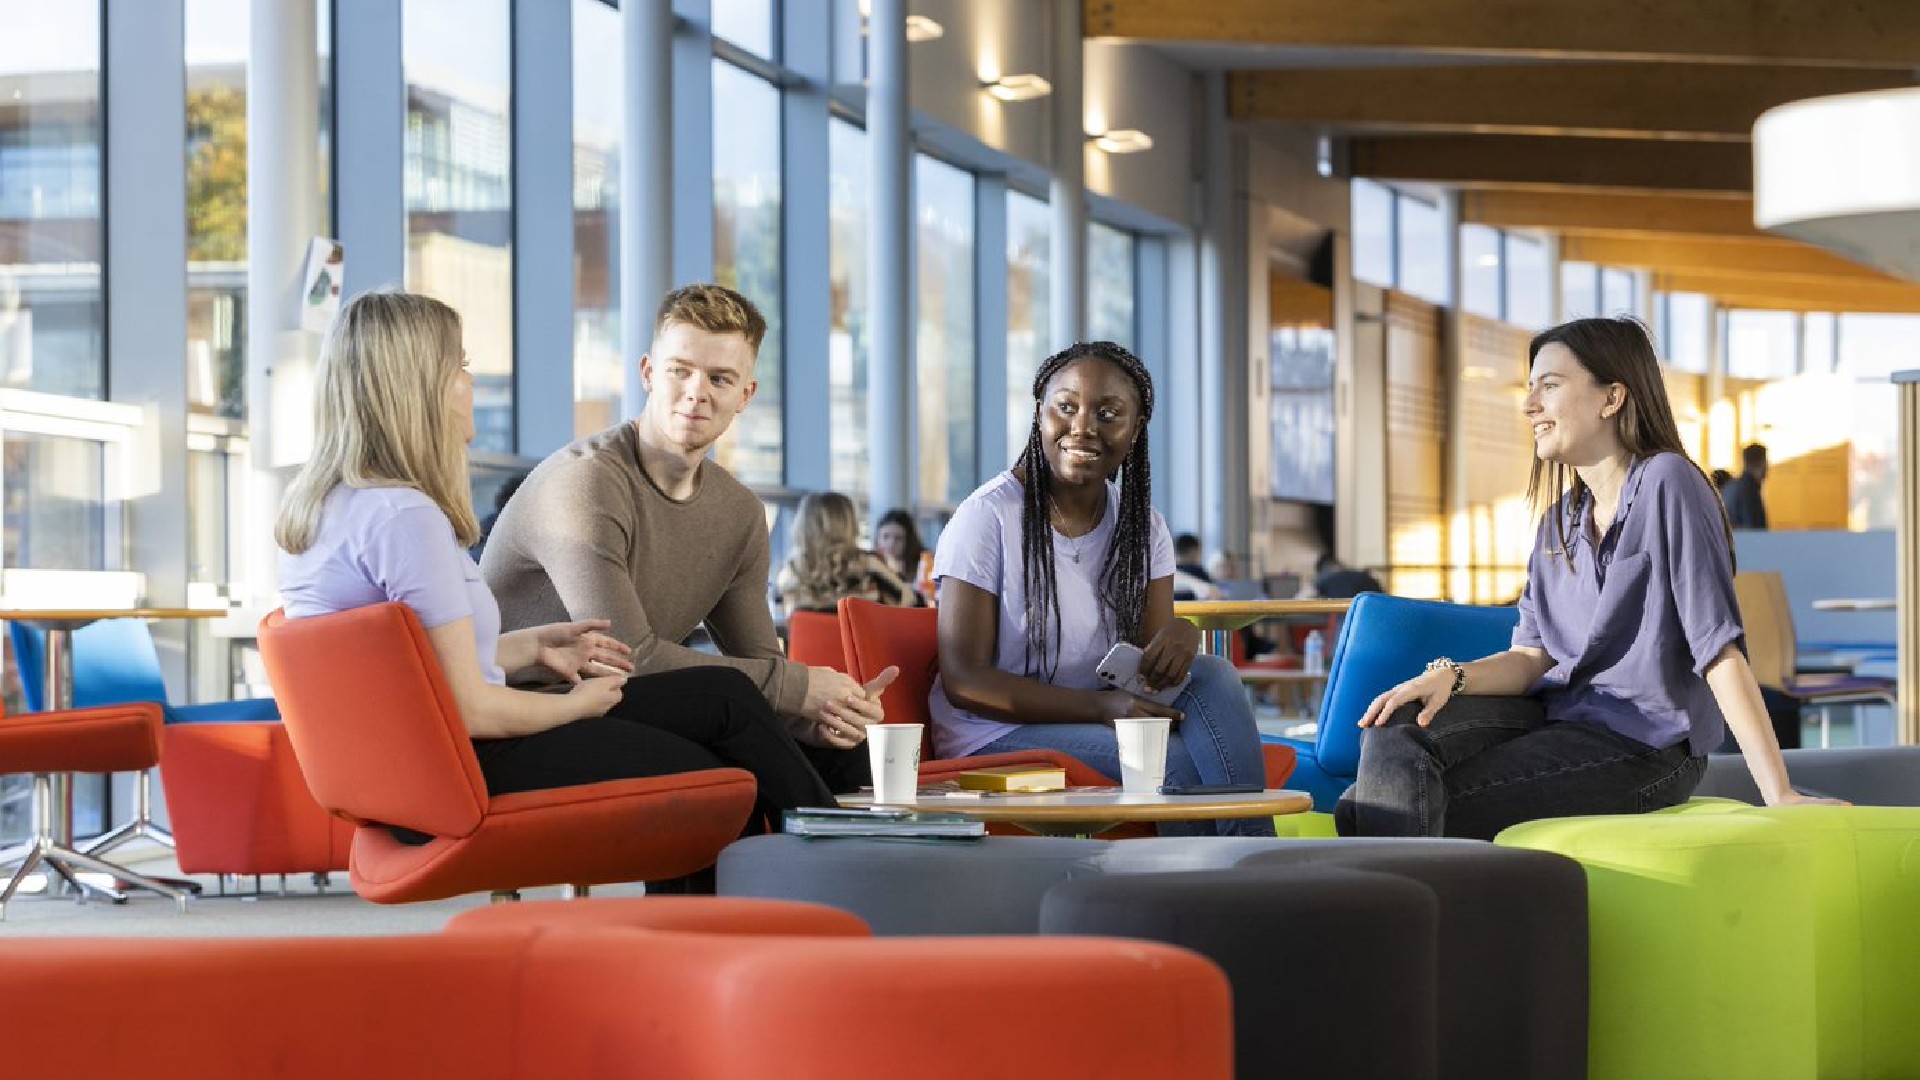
981, 546
392, 543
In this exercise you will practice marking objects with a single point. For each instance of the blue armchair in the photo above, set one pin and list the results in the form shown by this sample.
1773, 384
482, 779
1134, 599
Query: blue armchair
1383, 641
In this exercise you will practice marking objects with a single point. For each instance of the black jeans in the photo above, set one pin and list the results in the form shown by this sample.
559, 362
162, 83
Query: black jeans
673, 722
1489, 762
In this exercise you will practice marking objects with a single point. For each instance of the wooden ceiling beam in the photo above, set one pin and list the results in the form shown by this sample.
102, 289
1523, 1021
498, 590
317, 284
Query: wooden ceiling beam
1694, 101
1803, 305
1616, 212
1859, 33
1638, 164
1840, 295
1783, 259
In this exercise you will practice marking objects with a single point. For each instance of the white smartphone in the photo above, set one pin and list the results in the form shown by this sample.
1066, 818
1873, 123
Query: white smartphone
1121, 670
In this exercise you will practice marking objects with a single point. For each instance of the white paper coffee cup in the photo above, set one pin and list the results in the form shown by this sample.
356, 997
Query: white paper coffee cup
1143, 752
894, 750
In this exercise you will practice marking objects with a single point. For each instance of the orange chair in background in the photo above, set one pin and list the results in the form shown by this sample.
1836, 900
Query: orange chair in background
110, 738
381, 743
813, 638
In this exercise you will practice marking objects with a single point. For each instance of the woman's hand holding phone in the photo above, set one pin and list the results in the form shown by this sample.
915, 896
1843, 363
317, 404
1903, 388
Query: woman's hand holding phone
1116, 704
1169, 656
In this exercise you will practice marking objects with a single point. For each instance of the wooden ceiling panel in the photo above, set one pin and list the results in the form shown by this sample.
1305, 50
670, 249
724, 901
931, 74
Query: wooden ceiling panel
1858, 33
1646, 165
1667, 101
1567, 211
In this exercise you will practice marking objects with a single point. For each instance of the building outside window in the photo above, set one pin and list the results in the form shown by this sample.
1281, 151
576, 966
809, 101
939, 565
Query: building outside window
1527, 275
599, 365
944, 330
748, 24
847, 284
1110, 273
1029, 319
51, 320
1373, 233
1422, 249
746, 254
457, 59
1480, 290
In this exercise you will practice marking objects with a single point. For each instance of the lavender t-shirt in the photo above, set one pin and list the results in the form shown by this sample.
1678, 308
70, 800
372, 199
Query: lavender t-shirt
391, 543
1632, 625
981, 546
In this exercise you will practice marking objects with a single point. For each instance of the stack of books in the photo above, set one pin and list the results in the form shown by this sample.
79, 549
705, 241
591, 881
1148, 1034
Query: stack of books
1015, 778
882, 824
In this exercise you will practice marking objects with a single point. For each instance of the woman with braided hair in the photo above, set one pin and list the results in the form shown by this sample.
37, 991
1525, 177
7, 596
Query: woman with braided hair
1049, 564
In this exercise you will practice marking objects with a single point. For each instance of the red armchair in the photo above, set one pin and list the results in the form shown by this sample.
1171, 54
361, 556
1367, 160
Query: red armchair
381, 743
813, 638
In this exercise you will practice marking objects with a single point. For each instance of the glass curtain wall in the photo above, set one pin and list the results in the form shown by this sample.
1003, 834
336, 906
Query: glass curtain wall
847, 285
944, 330
217, 50
457, 60
746, 253
1110, 273
216, 38
1480, 291
51, 322
1373, 233
1029, 244
1527, 274
599, 368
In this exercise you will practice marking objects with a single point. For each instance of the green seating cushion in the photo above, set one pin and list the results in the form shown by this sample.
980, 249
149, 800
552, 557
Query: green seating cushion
1700, 957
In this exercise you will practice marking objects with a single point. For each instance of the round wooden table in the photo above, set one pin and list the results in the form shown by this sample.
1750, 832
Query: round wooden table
1218, 618
1089, 811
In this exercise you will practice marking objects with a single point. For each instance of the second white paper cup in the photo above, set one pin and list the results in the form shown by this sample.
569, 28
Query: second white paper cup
894, 750
1143, 752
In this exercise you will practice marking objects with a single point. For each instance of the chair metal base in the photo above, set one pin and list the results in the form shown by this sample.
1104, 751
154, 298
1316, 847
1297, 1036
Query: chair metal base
67, 864
142, 827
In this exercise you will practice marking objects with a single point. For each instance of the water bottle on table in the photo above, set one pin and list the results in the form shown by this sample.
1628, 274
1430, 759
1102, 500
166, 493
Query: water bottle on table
1313, 656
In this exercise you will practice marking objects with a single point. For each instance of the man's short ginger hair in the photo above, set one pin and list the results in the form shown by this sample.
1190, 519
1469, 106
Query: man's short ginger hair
715, 309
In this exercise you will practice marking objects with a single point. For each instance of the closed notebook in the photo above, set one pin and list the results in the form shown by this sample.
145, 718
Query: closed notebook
884, 825
1015, 778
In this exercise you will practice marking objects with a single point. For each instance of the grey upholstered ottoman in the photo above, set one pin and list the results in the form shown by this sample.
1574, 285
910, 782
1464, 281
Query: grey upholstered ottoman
1333, 969
991, 886
1512, 936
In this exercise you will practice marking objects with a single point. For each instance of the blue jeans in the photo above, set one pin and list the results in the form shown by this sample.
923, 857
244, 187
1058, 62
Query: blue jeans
1489, 762
1216, 744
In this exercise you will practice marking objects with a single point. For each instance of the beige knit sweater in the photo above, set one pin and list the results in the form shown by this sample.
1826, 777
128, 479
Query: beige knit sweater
589, 535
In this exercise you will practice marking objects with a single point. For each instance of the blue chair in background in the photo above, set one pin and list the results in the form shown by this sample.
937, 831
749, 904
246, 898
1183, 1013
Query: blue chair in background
1385, 640
115, 663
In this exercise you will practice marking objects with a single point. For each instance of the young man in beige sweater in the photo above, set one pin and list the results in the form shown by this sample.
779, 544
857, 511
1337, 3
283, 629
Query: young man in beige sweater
638, 526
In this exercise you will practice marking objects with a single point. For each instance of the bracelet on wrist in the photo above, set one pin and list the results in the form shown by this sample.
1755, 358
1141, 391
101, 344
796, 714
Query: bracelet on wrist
1459, 673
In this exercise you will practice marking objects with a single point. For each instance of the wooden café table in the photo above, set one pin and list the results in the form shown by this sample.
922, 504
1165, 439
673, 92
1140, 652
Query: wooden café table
59, 625
1090, 811
1219, 618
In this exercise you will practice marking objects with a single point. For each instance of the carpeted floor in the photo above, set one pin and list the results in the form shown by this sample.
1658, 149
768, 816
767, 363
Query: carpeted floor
301, 912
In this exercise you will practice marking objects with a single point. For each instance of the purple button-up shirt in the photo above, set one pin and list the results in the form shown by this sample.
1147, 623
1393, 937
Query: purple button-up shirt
1632, 625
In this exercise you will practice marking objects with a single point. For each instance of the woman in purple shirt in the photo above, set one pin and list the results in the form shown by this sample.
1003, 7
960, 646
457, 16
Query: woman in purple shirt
1628, 662
381, 512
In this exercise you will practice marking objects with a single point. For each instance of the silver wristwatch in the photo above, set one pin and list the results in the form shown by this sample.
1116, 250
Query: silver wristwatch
1459, 673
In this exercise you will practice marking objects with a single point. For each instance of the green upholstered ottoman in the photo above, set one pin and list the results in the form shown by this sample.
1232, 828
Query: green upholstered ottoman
1702, 956
1866, 936
1311, 825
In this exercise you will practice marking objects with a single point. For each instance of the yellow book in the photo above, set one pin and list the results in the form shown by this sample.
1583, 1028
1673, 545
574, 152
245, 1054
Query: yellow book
1015, 778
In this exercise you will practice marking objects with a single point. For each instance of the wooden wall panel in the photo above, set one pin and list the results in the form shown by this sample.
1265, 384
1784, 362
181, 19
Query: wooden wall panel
1497, 527
1416, 435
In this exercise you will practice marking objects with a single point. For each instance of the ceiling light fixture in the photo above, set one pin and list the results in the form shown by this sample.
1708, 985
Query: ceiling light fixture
920, 28
1018, 87
1124, 141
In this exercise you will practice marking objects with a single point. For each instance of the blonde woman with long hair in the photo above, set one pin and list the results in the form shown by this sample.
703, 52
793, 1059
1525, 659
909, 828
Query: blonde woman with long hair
827, 562
382, 512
